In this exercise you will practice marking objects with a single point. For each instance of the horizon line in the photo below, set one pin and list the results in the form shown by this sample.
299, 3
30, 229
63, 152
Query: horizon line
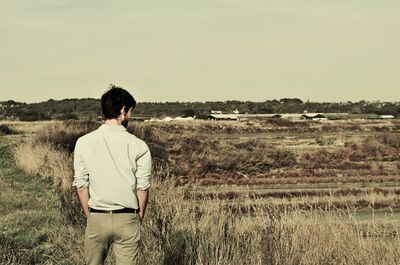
227, 100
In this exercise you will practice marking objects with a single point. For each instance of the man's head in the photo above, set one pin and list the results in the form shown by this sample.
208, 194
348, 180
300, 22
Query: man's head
117, 103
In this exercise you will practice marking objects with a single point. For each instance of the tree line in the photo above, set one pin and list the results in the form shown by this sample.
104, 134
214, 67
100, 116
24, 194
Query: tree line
90, 108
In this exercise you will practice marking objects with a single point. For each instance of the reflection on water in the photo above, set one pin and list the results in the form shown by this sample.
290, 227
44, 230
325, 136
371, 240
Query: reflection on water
352, 215
371, 214
360, 215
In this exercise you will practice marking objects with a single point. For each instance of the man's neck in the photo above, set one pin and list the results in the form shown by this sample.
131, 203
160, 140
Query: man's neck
114, 122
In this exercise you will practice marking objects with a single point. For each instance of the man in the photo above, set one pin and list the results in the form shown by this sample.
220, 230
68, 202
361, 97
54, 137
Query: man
112, 176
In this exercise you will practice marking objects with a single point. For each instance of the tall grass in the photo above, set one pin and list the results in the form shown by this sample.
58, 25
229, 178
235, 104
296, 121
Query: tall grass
181, 231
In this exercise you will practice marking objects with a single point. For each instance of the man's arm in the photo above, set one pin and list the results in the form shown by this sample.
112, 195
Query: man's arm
83, 195
143, 196
81, 179
143, 174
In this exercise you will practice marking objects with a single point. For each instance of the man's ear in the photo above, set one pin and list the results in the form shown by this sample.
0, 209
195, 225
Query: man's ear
122, 111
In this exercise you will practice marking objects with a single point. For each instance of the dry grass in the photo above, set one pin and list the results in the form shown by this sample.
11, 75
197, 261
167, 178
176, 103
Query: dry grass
45, 161
28, 127
179, 230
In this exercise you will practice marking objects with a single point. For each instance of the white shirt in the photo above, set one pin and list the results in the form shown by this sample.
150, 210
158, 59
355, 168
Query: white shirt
113, 163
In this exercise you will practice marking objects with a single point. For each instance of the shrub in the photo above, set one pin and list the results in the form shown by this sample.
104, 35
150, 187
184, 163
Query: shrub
5, 130
390, 139
65, 134
190, 155
283, 122
342, 159
68, 116
382, 145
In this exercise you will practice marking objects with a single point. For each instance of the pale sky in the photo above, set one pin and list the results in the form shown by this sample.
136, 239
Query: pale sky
207, 50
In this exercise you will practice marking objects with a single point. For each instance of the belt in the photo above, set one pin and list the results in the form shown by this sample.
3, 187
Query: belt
123, 210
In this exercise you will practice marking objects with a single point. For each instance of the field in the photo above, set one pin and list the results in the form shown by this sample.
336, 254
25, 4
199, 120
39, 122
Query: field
253, 192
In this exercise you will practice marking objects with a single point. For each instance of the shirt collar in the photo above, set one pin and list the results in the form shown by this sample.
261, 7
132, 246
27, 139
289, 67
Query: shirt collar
112, 128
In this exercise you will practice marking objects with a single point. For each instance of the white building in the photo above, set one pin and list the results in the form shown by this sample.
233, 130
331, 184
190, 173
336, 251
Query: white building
387, 116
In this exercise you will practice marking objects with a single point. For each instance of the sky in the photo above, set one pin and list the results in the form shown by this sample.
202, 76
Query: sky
208, 50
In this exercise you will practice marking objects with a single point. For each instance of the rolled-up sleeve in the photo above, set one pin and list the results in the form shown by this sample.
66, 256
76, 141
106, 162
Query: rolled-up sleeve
81, 175
143, 171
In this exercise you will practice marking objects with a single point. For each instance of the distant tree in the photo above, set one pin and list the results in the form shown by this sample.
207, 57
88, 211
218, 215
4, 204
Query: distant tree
188, 113
291, 101
263, 108
388, 109
68, 116
356, 109
32, 115
91, 107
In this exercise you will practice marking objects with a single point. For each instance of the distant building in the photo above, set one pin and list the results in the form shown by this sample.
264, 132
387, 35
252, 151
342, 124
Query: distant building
298, 116
169, 119
185, 118
223, 117
314, 117
239, 117
369, 116
291, 116
387, 116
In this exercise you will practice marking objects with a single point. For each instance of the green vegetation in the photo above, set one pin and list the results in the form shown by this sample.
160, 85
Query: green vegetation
29, 216
89, 108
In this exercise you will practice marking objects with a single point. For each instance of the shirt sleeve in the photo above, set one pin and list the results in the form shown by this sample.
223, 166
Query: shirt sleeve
81, 175
143, 171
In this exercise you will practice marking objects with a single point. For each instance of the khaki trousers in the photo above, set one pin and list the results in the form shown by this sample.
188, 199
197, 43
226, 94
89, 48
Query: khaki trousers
120, 229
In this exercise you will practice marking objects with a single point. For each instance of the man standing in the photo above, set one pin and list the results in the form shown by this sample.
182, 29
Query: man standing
112, 176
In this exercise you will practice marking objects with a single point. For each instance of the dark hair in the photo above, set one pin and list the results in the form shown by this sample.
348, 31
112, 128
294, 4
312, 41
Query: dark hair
114, 99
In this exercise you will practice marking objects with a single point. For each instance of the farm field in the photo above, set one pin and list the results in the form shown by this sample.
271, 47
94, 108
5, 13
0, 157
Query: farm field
347, 165
276, 186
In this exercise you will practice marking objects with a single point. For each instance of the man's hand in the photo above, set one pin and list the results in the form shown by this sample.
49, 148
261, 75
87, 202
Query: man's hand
140, 217
83, 194
143, 196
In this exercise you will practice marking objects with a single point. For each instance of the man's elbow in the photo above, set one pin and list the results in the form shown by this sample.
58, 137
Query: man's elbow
143, 183
82, 190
